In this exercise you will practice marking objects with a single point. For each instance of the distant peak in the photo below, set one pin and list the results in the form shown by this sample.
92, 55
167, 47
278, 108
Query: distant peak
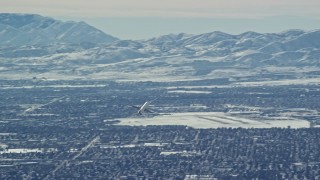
20, 20
249, 34
32, 29
292, 32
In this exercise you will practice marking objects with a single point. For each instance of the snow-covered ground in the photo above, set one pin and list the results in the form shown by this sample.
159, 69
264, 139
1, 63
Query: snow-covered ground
213, 120
190, 92
25, 150
248, 59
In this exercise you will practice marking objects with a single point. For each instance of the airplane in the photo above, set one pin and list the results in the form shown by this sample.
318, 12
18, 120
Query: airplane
143, 108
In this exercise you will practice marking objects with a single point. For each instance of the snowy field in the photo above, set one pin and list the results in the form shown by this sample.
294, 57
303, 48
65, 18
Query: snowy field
213, 120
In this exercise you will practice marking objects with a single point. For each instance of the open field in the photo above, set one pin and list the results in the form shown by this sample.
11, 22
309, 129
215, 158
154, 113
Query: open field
213, 120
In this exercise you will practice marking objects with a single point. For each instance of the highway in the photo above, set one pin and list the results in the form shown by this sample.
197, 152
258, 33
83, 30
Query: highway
41, 105
66, 162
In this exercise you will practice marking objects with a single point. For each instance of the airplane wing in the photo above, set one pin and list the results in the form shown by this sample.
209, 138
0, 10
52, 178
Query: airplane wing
137, 107
149, 111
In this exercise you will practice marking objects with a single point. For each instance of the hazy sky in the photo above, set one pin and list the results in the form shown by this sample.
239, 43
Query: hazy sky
139, 19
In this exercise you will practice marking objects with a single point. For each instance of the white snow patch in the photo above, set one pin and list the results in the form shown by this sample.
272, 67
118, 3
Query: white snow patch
213, 120
246, 52
280, 82
190, 92
24, 150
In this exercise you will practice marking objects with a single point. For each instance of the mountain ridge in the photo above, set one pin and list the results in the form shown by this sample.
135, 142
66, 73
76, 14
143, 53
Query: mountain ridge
294, 53
32, 29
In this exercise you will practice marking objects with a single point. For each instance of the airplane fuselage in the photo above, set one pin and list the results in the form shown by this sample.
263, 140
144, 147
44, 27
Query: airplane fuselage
143, 107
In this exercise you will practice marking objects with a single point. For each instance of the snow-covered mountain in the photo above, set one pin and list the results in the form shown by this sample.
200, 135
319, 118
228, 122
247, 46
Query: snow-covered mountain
67, 50
30, 29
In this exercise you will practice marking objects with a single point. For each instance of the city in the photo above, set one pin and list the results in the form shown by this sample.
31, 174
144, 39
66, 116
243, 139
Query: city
71, 129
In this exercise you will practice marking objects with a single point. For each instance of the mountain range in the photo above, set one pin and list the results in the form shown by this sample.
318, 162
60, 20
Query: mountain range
31, 29
32, 45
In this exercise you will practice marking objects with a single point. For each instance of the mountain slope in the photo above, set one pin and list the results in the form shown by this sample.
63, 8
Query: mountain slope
32, 45
30, 29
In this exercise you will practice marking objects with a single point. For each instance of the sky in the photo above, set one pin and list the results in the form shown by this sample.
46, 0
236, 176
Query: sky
143, 19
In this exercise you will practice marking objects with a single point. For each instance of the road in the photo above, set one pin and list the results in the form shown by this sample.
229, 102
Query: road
41, 105
66, 162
